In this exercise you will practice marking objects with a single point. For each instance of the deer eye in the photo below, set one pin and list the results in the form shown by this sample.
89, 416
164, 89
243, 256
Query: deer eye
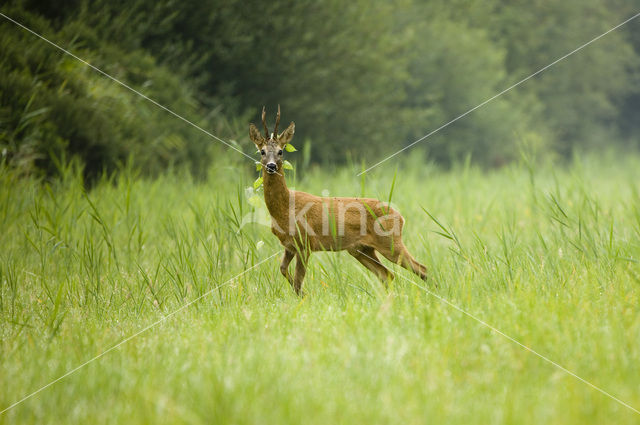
262, 152
280, 152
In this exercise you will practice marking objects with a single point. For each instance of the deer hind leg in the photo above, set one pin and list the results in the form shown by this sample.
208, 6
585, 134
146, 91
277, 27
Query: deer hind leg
367, 257
284, 265
398, 253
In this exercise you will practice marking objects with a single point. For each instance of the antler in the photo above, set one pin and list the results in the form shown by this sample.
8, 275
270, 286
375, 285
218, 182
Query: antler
275, 130
264, 123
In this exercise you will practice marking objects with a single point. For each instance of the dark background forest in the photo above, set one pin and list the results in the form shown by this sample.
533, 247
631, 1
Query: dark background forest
360, 79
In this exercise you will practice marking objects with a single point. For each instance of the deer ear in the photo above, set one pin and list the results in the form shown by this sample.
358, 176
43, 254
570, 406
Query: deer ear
286, 136
255, 136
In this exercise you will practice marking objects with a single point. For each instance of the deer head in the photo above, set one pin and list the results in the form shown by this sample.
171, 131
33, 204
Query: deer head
271, 145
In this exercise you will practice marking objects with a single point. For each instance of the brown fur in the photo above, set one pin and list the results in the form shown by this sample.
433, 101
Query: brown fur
360, 226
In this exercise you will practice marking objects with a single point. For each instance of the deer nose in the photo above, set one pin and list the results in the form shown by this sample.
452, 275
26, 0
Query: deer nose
272, 167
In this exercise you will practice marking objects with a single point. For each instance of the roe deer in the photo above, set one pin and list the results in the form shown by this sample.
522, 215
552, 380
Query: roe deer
305, 223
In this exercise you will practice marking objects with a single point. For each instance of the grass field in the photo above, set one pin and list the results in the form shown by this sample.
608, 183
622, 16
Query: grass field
548, 255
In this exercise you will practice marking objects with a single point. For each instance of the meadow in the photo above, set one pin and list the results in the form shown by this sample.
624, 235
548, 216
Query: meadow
546, 253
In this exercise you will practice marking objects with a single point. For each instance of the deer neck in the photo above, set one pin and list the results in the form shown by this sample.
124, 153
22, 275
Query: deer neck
276, 195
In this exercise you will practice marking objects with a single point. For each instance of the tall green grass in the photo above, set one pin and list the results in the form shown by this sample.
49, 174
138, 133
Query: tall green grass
548, 255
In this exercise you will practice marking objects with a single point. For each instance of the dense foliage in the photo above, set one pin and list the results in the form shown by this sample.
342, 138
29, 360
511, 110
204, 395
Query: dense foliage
360, 80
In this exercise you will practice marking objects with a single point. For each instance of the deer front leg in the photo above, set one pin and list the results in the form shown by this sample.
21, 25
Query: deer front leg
301, 269
284, 265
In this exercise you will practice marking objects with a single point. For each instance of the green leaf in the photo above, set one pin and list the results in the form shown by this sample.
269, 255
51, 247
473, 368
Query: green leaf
287, 165
289, 148
257, 183
258, 166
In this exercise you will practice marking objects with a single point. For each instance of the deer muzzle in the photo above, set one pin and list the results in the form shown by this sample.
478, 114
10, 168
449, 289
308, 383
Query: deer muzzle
271, 167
